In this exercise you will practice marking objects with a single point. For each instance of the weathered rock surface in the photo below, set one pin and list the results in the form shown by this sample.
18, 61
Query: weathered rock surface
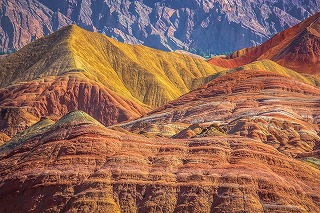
138, 73
25, 21
74, 69
77, 165
14, 120
263, 105
56, 96
210, 26
297, 48
3, 138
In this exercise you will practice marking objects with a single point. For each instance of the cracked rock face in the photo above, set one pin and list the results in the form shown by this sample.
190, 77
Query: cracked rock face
76, 164
210, 26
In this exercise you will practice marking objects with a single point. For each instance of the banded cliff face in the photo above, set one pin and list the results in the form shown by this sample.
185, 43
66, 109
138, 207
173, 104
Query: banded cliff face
297, 48
76, 164
167, 25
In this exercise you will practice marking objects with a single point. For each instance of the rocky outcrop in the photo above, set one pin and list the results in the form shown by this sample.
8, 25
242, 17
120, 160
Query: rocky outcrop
203, 27
77, 165
297, 48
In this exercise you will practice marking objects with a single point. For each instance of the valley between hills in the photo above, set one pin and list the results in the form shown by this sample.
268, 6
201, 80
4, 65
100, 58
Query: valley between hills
90, 124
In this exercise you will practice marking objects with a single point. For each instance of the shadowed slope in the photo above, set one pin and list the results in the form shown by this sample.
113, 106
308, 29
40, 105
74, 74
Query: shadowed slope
79, 165
297, 48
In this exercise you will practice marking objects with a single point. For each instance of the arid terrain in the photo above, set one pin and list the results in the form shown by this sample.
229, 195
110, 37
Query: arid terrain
90, 124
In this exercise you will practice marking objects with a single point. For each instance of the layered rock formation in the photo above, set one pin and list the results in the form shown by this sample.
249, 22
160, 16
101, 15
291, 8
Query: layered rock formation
245, 141
223, 26
262, 105
56, 96
25, 21
297, 48
141, 74
113, 82
77, 165
15, 119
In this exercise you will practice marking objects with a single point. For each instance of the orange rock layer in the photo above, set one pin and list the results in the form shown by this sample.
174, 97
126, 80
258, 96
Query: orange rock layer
77, 165
269, 107
56, 96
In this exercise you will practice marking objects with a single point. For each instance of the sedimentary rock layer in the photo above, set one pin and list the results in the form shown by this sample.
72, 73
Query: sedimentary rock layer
77, 165
273, 108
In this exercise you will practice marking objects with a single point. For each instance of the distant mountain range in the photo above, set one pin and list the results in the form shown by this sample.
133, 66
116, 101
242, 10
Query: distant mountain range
199, 26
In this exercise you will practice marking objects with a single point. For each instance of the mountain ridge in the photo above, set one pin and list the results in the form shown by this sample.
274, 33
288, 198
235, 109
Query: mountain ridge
74, 69
89, 124
295, 48
166, 25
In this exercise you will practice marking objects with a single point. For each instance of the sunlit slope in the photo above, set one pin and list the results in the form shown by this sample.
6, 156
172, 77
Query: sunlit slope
151, 76
138, 73
265, 65
49, 56
272, 66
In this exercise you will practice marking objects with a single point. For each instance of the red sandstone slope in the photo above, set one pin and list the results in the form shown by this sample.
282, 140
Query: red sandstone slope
77, 165
14, 120
297, 48
56, 96
262, 105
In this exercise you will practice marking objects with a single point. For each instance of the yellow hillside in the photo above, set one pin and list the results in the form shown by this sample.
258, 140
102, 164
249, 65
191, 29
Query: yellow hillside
153, 77
266, 65
135, 72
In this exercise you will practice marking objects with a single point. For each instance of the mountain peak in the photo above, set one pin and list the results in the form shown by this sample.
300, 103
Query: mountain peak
76, 118
297, 48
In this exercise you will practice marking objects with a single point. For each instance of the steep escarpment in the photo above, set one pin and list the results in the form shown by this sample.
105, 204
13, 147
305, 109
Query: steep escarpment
296, 48
77, 164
